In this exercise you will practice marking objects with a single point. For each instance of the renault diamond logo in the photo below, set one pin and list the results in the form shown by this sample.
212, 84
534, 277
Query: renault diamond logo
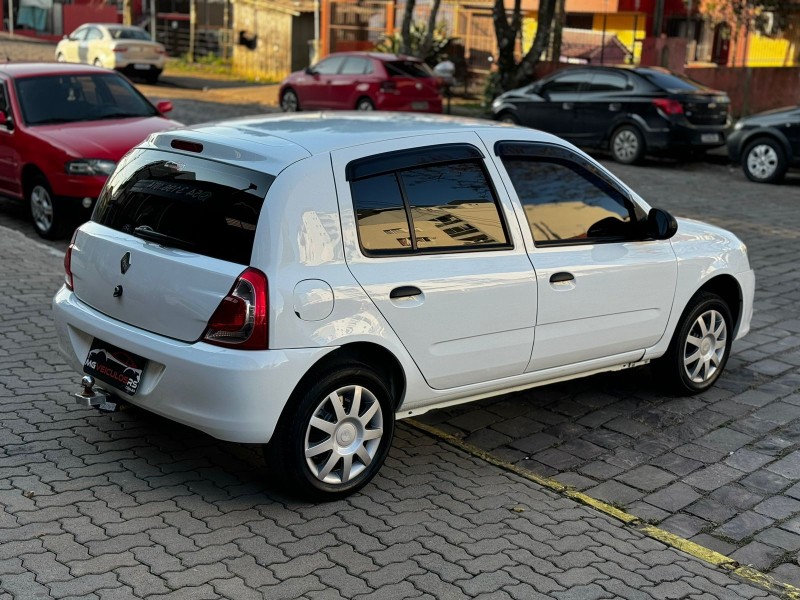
125, 263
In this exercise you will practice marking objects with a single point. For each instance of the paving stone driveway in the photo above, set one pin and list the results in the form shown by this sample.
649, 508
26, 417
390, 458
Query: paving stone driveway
721, 468
132, 506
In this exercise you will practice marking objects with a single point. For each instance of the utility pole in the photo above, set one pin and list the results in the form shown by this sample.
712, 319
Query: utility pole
192, 27
658, 18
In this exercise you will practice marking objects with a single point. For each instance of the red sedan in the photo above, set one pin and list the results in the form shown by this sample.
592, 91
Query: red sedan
63, 128
363, 81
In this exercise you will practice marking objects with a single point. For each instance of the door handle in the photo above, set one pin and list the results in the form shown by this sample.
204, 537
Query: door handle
561, 277
568, 105
405, 291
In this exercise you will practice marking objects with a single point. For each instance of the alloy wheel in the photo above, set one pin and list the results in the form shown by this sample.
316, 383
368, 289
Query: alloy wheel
626, 145
42, 208
344, 434
705, 346
289, 102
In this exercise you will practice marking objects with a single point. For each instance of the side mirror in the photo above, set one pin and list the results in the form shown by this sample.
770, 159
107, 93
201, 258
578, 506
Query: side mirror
660, 224
6, 120
164, 106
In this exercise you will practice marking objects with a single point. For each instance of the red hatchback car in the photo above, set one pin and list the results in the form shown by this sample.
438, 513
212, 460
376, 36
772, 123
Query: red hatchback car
63, 127
363, 81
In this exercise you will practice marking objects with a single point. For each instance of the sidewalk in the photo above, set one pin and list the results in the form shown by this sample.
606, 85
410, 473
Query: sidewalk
131, 506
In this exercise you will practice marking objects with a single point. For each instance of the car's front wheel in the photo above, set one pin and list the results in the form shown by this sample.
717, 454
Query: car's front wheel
763, 161
46, 214
700, 346
334, 435
627, 145
289, 101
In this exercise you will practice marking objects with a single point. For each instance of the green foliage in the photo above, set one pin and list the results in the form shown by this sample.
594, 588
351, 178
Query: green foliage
492, 89
393, 44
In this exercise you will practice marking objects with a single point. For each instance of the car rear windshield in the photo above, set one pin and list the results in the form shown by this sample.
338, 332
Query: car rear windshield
672, 81
128, 33
408, 68
203, 206
56, 99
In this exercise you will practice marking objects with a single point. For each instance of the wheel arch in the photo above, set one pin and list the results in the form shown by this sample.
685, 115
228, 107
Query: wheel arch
373, 355
27, 175
769, 133
726, 287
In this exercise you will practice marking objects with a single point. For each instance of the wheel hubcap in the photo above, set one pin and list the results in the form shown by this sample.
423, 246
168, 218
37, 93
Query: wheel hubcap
41, 208
365, 106
626, 145
762, 162
344, 434
705, 347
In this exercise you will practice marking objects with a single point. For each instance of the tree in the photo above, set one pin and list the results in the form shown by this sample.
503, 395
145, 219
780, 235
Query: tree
423, 48
510, 73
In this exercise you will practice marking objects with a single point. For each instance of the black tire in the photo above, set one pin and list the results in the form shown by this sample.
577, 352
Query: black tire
684, 375
507, 117
627, 145
45, 210
764, 161
365, 104
321, 477
289, 101
152, 77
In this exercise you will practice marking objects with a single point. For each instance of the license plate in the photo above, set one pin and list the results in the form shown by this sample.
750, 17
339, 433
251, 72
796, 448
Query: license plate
141, 67
709, 138
419, 105
117, 367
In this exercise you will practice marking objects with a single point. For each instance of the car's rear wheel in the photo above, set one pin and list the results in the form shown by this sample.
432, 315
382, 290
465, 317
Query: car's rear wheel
699, 348
365, 104
334, 434
764, 161
289, 101
627, 145
46, 215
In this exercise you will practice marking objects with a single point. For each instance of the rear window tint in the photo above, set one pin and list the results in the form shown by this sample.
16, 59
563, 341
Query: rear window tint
408, 68
203, 206
671, 81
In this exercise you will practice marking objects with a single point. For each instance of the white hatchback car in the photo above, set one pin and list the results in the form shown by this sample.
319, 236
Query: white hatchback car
302, 281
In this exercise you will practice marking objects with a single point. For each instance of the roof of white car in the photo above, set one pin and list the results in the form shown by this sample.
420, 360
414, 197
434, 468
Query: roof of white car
282, 139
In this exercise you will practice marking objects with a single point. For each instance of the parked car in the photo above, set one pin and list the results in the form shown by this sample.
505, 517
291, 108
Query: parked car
630, 112
62, 130
363, 81
767, 144
303, 282
122, 47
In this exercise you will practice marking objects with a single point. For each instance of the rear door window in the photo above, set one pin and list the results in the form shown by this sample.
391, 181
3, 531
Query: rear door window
356, 66
329, 66
203, 206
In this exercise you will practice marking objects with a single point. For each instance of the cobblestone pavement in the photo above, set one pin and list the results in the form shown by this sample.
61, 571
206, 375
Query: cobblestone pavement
131, 506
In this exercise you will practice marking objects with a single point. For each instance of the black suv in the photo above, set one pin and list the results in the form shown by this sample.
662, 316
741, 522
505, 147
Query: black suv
767, 144
629, 111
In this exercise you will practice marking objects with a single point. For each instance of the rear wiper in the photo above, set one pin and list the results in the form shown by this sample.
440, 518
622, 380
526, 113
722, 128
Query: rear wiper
148, 233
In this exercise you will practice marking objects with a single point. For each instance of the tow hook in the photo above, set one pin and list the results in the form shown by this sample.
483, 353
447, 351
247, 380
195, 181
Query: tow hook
91, 397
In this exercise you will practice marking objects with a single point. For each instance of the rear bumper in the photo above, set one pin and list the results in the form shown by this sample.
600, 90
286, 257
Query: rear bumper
682, 137
404, 104
232, 395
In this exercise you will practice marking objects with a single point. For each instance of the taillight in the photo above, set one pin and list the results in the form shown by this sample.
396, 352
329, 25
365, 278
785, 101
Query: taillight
388, 87
121, 49
668, 106
68, 263
161, 50
240, 320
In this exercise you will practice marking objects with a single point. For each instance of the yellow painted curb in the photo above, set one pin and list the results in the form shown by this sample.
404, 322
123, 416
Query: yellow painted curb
707, 555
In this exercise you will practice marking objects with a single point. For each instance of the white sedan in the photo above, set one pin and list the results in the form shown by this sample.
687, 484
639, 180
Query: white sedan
302, 281
121, 47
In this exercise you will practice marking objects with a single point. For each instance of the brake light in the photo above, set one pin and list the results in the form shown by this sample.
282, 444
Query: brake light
388, 87
240, 320
668, 106
68, 281
121, 49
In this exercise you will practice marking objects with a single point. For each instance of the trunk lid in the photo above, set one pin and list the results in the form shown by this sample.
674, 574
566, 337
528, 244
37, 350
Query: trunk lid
170, 235
705, 108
